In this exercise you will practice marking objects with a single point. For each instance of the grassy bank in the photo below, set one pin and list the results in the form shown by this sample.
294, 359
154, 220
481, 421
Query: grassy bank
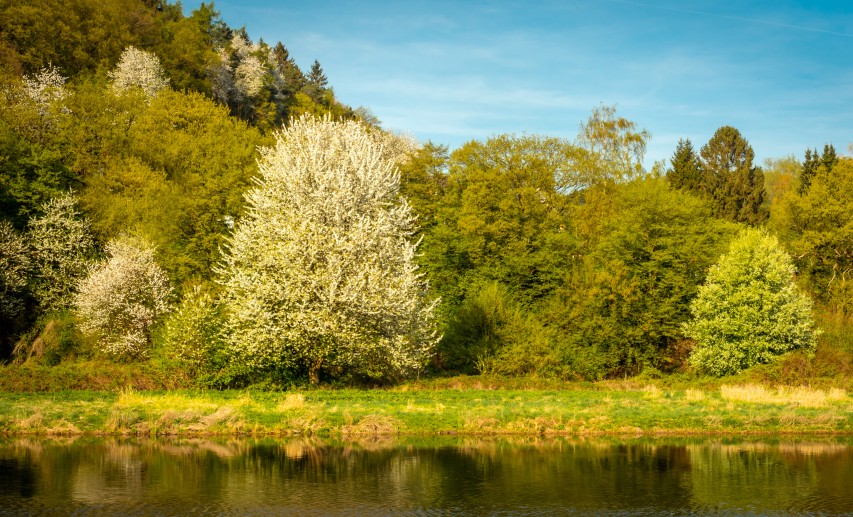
410, 410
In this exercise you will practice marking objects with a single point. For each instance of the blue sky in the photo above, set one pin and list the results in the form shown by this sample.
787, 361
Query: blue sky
451, 71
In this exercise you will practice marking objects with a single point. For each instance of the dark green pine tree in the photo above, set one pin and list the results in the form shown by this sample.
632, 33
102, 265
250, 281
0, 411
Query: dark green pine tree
316, 82
810, 164
734, 185
685, 172
829, 157
292, 79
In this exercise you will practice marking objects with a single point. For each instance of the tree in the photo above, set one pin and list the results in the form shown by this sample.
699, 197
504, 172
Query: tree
14, 271
14, 275
320, 271
686, 170
749, 310
316, 82
810, 165
62, 248
817, 228
813, 162
45, 88
734, 185
193, 332
138, 69
623, 302
122, 297
616, 148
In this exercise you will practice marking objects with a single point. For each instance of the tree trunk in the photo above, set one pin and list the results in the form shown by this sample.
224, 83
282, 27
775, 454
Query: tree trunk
314, 371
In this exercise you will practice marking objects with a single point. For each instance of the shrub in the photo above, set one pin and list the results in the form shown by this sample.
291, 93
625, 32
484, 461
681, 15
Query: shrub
192, 333
749, 310
122, 298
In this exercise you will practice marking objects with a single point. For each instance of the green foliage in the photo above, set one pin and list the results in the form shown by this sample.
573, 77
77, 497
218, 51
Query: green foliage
502, 209
193, 331
490, 334
15, 268
734, 185
62, 249
685, 171
817, 228
616, 148
15, 265
180, 182
749, 311
53, 338
76, 35
33, 159
780, 177
622, 305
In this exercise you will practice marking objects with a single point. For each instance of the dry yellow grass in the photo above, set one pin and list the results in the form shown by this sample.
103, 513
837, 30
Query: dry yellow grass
695, 395
651, 392
373, 425
292, 401
800, 396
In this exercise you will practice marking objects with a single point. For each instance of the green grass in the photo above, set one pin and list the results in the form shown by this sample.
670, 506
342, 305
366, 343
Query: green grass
413, 409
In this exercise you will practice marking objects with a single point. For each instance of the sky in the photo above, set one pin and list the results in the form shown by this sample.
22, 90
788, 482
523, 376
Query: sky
450, 71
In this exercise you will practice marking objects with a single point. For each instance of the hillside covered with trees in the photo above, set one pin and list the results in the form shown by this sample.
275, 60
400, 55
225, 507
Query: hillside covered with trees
173, 192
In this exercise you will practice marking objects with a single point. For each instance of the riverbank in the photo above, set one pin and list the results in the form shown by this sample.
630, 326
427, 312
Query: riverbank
729, 409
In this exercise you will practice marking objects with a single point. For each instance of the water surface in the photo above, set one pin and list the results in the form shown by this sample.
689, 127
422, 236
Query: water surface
515, 476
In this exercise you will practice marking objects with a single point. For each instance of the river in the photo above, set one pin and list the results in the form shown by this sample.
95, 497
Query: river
434, 476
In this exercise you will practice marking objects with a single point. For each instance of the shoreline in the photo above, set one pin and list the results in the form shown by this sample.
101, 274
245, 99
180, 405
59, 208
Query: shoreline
650, 412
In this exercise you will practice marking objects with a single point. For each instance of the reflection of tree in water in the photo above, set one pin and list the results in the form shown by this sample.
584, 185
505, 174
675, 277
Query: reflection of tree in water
786, 477
468, 475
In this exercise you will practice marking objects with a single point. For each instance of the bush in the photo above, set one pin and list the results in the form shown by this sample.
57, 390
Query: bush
749, 311
122, 298
192, 333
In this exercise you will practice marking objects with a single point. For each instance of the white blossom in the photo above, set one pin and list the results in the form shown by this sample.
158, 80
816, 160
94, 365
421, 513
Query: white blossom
63, 248
249, 76
222, 77
45, 88
138, 69
122, 297
243, 47
396, 147
14, 269
321, 269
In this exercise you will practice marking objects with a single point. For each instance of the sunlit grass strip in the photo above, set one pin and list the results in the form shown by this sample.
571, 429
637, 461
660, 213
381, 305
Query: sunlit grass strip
802, 396
649, 410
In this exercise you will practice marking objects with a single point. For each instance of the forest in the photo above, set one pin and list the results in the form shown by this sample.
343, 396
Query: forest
177, 196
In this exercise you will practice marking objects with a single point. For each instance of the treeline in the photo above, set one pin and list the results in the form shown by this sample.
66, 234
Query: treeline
566, 258
128, 141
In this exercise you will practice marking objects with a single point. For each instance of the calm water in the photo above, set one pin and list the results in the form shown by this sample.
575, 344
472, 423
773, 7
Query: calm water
440, 477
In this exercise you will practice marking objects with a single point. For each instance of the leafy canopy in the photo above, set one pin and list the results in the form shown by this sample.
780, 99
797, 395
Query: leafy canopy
749, 310
321, 269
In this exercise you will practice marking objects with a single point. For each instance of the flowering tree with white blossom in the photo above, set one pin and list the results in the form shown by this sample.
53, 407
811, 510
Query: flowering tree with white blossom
14, 271
45, 88
62, 248
122, 297
320, 272
138, 69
